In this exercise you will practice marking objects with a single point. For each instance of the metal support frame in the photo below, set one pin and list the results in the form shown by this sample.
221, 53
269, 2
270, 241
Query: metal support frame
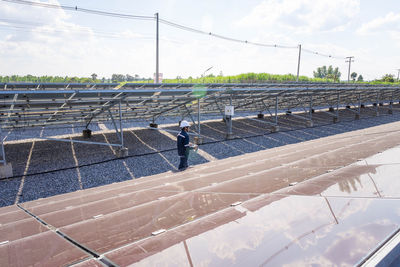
219, 108
377, 103
120, 124
198, 117
12, 106
270, 113
3, 153
228, 120
61, 107
276, 110
120, 131
115, 100
309, 119
301, 104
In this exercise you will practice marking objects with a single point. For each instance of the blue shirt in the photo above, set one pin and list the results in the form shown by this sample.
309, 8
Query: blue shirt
182, 142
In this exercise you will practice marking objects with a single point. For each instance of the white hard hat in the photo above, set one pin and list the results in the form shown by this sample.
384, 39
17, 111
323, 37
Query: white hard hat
184, 124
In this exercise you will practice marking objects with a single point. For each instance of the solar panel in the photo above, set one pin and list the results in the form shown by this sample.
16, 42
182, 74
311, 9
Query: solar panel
42, 104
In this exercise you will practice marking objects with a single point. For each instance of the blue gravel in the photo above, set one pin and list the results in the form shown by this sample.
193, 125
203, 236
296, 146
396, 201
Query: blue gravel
287, 137
44, 159
49, 184
105, 173
149, 165
8, 191
86, 153
220, 150
155, 139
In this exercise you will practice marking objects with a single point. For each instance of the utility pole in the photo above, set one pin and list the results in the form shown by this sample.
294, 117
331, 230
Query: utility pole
350, 60
298, 64
157, 73
398, 74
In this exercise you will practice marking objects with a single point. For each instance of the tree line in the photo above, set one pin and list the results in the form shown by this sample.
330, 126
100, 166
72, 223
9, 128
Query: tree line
115, 78
321, 74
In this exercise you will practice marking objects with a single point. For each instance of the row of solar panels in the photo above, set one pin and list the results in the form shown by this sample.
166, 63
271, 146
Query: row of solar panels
41, 107
97, 86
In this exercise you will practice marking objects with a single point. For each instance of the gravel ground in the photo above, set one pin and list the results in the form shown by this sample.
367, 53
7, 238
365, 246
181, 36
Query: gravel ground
8, 191
49, 184
150, 151
105, 173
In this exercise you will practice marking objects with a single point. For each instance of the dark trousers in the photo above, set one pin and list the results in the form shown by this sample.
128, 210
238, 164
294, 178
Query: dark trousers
183, 163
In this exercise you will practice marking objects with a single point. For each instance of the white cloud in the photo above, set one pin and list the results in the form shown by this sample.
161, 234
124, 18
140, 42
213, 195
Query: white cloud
303, 15
42, 41
390, 23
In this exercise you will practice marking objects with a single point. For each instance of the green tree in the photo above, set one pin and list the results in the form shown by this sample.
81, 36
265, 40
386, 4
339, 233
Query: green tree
388, 78
327, 73
360, 78
353, 76
94, 77
321, 72
118, 78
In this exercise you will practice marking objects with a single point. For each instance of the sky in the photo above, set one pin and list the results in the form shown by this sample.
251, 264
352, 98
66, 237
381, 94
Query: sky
58, 42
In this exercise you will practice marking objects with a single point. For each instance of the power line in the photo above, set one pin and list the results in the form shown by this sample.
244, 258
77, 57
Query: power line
321, 54
166, 22
190, 29
76, 8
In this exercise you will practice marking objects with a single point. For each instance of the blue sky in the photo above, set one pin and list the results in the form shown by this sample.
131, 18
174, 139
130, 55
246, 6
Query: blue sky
42, 41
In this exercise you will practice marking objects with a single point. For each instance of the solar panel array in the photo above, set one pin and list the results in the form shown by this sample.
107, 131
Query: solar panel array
42, 104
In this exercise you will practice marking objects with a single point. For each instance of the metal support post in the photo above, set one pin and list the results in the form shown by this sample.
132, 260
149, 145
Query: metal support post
229, 135
298, 64
157, 71
198, 139
198, 116
3, 160
115, 126
377, 104
276, 110
390, 111
5, 169
122, 151
310, 123
121, 131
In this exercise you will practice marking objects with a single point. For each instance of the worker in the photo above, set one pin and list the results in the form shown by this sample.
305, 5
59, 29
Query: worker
184, 145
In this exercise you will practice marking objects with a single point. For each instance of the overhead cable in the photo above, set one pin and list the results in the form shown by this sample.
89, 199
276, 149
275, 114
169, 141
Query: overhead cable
186, 28
166, 22
76, 8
